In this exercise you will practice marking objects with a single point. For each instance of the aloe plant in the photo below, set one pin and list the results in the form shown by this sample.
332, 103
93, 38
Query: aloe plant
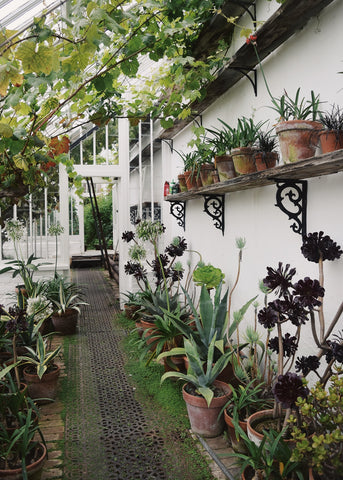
200, 374
40, 357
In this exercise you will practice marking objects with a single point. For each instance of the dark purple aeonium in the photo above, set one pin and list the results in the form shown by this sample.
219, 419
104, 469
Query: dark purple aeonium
289, 345
288, 388
280, 279
308, 364
317, 245
128, 236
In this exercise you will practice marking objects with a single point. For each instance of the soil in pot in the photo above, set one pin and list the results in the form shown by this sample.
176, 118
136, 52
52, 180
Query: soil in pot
206, 421
263, 420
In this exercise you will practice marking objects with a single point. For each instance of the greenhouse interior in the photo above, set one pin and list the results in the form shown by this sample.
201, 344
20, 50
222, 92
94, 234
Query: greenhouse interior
155, 324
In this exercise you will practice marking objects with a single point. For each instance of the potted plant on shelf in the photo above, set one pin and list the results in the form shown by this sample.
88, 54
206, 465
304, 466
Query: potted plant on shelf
42, 373
22, 456
298, 128
331, 136
66, 299
203, 393
266, 156
243, 145
221, 144
319, 441
191, 169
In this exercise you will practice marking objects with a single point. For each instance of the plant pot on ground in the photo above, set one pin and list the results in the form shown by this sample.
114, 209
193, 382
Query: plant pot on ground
66, 298
42, 373
204, 395
331, 136
22, 456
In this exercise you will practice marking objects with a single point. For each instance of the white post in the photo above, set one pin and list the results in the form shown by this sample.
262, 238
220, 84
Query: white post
123, 196
46, 222
140, 169
152, 169
64, 215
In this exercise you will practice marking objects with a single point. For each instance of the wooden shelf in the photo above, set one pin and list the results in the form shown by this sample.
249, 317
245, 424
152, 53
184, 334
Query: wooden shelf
325, 164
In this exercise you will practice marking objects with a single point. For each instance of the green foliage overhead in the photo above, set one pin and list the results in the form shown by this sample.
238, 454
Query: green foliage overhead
105, 208
57, 74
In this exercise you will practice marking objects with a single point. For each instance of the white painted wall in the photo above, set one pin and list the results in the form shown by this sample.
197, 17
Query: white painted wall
311, 59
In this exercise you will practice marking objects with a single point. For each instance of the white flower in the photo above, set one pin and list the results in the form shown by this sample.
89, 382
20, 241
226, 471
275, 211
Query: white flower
40, 307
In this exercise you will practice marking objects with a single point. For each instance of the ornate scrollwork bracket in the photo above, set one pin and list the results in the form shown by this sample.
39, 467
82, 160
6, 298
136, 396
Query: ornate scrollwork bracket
291, 198
178, 210
214, 207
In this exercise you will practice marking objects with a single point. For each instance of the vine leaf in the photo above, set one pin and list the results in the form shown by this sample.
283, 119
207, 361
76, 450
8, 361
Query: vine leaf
9, 73
35, 59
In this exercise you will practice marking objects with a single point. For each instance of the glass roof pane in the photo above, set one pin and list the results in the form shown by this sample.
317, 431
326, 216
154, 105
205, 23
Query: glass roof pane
16, 14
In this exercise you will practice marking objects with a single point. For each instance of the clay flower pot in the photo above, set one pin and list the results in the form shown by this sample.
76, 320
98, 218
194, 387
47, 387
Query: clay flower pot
44, 388
264, 160
237, 444
190, 179
34, 470
65, 323
206, 174
331, 140
243, 160
298, 139
205, 420
225, 167
182, 182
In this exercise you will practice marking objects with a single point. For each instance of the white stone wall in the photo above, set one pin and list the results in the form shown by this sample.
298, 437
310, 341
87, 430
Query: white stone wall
310, 59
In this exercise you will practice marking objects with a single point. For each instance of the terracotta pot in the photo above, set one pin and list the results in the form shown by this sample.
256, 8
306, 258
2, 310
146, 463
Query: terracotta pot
236, 443
330, 140
182, 182
45, 389
264, 160
243, 160
298, 139
215, 176
206, 420
130, 311
66, 323
191, 181
174, 363
248, 473
259, 421
225, 167
206, 174
34, 470
147, 329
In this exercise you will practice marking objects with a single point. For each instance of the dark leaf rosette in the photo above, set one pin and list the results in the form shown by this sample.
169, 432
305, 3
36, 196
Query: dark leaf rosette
280, 279
128, 236
18, 323
289, 343
316, 245
135, 269
177, 247
307, 364
268, 317
156, 267
177, 275
288, 388
308, 292
2, 310
335, 352
290, 309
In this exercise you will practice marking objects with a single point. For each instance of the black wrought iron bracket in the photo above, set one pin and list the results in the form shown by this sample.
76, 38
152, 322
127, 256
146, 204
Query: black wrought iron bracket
252, 13
245, 71
214, 207
169, 142
291, 198
178, 210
